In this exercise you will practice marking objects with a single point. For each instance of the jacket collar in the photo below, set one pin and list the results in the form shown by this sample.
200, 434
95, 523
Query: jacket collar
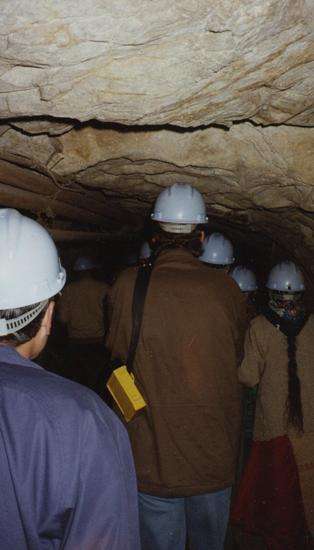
9, 355
181, 254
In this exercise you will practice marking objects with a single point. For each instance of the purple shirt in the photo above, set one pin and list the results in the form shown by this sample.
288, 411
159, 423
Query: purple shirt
67, 476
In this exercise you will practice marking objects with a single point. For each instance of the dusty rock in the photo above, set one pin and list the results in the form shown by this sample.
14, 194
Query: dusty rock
253, 179
218, 94
185, 62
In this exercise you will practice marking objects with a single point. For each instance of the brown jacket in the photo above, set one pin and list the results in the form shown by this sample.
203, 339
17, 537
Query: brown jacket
186, 441
266, 363
81, 308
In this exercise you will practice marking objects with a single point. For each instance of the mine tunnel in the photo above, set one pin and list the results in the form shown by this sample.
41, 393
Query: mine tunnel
93, 184
103, 105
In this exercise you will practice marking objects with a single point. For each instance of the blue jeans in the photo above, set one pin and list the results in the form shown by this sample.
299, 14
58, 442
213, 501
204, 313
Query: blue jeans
166, 523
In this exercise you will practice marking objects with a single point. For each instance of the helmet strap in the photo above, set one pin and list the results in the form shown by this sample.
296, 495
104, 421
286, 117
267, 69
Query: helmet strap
14, 326
179, 228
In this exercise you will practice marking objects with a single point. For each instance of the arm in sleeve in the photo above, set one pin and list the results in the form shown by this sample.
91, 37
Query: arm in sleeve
105, 513
120, 298
252, 365
241, 321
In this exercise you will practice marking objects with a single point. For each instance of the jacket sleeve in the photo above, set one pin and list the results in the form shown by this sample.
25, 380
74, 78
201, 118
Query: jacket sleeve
105, 512
253, 363
241, 321
119, 305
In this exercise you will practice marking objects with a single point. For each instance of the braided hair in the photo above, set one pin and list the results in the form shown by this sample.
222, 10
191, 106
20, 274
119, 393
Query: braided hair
294, 403
291, 328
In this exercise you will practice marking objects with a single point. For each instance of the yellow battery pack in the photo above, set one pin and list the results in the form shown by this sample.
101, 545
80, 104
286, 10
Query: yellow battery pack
125, 393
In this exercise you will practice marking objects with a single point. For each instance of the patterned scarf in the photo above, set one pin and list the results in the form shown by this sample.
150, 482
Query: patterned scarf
290, 321
288, 306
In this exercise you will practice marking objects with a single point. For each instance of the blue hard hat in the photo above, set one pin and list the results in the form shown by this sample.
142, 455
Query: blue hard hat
83, 263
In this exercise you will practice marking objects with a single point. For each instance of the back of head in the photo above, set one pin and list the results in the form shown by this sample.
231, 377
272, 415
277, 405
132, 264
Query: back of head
179, 209
217, 250
286, 289
84, 263
145, 251
286, 277
286, 286
30, 271
245, 278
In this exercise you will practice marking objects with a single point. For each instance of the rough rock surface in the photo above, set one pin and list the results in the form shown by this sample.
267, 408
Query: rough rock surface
103, 103
253, 179
185, 62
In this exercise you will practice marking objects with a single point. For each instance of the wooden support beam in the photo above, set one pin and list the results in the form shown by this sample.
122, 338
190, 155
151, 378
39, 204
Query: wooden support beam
23, 177
15, 197
66, 235
73, 235
65, 199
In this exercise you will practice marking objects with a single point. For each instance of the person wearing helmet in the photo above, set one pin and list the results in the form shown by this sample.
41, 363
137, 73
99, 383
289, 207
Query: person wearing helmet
145, 253
185, 441
217, 252
276, 494
66, 467
246, 280
81, 310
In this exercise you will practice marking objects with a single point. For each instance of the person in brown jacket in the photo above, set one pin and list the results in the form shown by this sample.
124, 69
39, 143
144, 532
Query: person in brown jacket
81, 310
217, 252
246, 280
276, 494
185, 442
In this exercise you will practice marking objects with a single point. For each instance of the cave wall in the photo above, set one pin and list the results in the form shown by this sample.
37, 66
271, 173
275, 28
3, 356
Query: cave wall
260, 178
185, 62
104, 103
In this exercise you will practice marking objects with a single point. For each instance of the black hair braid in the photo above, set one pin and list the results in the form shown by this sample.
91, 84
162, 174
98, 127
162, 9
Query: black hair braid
294, 403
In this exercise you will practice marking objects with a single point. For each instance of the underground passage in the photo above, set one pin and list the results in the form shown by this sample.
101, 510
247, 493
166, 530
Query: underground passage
157, 275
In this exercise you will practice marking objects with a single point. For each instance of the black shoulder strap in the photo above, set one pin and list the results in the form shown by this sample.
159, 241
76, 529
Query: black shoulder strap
139, 295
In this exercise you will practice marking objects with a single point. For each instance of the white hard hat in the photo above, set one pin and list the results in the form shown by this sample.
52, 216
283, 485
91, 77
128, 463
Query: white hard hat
145, 251
83, 263
245, 278
30, 269
286, 277
180, 204
217, 250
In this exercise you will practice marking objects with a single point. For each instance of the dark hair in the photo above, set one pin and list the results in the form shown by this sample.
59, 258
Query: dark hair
162, 240
29, 331
294, 403
291, 329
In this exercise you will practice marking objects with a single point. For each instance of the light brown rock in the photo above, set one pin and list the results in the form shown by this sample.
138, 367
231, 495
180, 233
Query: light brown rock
185, 62
253, 178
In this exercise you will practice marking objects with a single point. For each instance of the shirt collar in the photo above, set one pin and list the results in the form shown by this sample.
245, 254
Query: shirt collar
9, 355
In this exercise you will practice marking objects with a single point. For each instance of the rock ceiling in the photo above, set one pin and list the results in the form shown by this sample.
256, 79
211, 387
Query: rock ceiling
102, 103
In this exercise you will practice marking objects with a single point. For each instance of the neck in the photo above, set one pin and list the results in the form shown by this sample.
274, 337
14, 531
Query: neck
26, 349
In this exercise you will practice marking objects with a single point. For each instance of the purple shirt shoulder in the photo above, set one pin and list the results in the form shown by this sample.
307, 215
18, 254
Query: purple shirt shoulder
67, 475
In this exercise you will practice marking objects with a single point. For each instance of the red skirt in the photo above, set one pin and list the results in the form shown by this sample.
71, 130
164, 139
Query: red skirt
269, 500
